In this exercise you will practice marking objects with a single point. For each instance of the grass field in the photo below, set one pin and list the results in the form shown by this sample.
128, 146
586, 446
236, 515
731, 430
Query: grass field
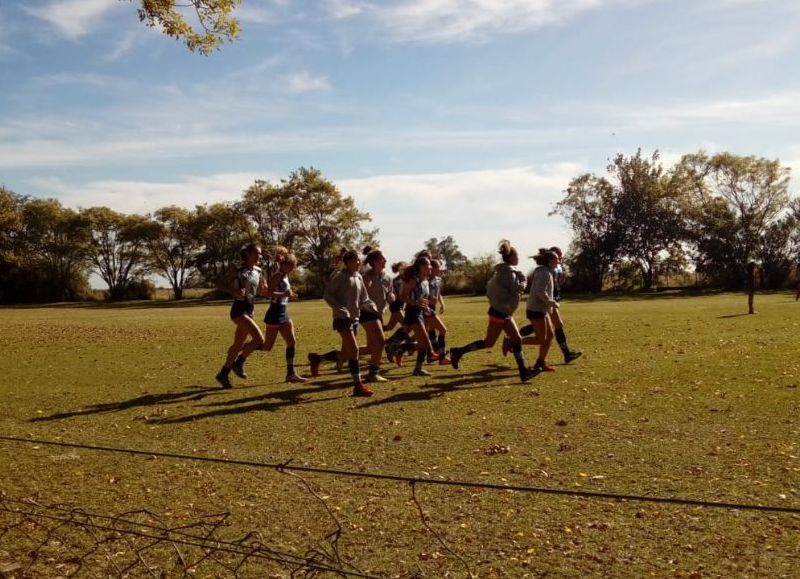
675, 396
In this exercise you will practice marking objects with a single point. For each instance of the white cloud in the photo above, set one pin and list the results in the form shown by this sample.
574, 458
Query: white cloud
478, 208
143, 196
459, 20
304, 82
74, 18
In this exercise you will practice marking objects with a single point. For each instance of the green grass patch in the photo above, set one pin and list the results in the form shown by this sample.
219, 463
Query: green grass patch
674, 396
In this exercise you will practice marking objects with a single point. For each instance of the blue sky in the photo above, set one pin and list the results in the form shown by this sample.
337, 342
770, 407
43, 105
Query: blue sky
440, 117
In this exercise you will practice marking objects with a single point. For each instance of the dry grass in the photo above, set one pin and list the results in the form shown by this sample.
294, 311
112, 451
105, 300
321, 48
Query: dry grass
675, 396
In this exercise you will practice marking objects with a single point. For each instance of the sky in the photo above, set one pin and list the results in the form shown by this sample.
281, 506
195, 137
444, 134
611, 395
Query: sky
439, 117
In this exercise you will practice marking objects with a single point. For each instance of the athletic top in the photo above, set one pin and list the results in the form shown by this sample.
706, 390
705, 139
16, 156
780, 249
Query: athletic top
541, 296
347, 295
379, 286
248, 278
504, 288
421, 291
283, 286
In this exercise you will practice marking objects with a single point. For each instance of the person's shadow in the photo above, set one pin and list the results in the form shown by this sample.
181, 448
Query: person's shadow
190, 394
732, 316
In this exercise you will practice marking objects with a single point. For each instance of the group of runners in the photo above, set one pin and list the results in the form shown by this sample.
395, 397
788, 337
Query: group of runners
360, 290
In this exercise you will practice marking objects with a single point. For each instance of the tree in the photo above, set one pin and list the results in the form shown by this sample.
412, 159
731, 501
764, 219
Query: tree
326, 220
272, 212
215, 21
479, 271
54, 241
221, 230
588, 207
447, 249
173, 246
733, 200
117, 248
646, 213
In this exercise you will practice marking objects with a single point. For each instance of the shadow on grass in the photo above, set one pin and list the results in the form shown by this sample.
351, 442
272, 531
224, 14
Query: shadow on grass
732, 316
264, 402
440, 385
191, 394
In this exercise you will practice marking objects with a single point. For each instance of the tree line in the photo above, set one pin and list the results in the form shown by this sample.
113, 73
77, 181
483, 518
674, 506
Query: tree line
711, 214
631, 228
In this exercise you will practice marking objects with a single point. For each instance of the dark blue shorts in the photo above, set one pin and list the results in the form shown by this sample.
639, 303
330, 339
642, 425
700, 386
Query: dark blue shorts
277, 315
396, 306
242, 308
345, 325
535, 315
364, 317
413, 315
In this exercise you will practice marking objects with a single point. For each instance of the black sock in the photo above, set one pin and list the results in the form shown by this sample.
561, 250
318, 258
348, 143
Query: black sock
472, 346
331, 356
290, 360
421, 354
526, 330
432, 338
373, 370
519, 357
561, 338
240, 359
398, 336
440, 345
225, 371
352, 365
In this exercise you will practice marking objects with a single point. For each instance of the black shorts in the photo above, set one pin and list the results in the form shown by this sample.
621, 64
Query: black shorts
242, 308
396, 306
413, 315
277, 315
364, 317
531, 315
497, 316
345, 325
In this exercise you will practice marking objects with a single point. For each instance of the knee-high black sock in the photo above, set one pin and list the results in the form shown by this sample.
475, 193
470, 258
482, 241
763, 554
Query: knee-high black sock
519, 357
432, 338
289, 360
421, 357
526, 330
561, 338
398, 336
441, 345
352, 365
472, 346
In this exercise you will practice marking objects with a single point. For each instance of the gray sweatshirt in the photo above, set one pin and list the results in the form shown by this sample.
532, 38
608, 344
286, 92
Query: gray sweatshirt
347, 295
379, 286
504, 288
541, 296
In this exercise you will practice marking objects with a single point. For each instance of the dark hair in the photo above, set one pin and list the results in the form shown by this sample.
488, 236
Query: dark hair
557, 250
506, 250
412, 270
424, 253
348, 255
399, 266
248, 249
436, 263
544, 256
372, 255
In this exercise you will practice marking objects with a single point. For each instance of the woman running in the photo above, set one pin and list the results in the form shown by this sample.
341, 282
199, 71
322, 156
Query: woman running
555, 313
540, 303
433, 323
503, 291
396, 307
415, 294
379, 288
277, 317
244, 284
347, 296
